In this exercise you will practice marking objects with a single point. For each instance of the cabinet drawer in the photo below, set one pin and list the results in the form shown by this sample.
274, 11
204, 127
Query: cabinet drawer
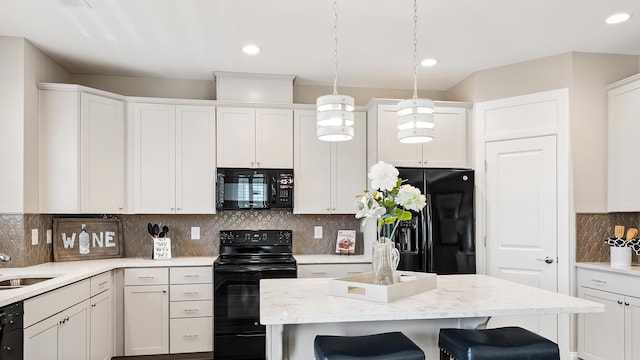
609, 281
146, 276
189, 309
45, 305
191, 292
100, 283
191, 335
331, 270
191, 275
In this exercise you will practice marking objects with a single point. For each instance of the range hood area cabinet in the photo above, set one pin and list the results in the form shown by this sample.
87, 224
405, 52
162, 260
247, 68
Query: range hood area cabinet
448, 150
254, 138
172, 157
81, 150
624, 127
328, 175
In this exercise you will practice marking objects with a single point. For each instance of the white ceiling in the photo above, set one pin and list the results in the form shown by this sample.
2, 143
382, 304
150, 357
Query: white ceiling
190, 39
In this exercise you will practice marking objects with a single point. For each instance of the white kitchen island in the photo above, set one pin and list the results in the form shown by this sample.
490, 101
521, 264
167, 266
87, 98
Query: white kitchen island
296, 310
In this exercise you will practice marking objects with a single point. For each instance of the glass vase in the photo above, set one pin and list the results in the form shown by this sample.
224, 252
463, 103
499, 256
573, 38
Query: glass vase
385, 261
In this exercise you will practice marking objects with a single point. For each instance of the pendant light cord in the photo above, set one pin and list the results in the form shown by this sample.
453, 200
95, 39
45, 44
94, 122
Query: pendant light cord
415, 49
335, 49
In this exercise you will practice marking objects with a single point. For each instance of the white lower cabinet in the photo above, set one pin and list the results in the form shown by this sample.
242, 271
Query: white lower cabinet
331, 270
168, 310
101, 337
57, 324
146, 311
613, 333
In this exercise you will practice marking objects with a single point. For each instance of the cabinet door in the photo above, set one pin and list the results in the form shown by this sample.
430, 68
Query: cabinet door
146, 320
624, 127
601, 335
389, 148
103, 155
449, 148
74, 334
349, 175
632, 328
154, 158
195, 160
101, 343
41, 340
274, 138
312, 167
236, 134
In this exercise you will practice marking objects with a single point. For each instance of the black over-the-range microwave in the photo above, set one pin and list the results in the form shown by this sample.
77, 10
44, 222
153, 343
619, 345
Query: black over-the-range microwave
254, 189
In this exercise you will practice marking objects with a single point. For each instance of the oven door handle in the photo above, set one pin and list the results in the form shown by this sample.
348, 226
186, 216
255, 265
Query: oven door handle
251, 268
251, 335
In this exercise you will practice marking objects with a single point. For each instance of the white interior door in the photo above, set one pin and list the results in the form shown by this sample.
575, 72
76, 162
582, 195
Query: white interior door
522, 225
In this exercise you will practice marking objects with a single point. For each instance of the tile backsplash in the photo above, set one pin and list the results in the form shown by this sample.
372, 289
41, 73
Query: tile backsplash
592, 229
15, 233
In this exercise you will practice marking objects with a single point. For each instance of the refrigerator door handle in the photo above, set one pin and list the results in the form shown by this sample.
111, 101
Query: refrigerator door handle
428, 214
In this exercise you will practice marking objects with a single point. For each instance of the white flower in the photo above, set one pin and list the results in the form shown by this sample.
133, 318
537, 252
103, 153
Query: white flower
383, 176
410, 198
367, 207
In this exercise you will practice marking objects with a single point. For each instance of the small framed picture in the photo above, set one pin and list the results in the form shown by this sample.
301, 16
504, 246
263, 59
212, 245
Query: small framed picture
346, 242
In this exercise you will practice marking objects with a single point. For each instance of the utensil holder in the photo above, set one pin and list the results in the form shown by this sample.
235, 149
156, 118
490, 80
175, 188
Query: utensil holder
620, 256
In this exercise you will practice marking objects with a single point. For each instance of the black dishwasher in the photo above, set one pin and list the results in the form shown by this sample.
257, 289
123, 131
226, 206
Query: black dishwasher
11, 332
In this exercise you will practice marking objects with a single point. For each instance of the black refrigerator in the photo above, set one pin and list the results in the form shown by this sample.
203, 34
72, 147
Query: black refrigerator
440, 238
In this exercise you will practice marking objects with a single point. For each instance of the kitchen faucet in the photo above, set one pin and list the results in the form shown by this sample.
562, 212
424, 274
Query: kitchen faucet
4, 257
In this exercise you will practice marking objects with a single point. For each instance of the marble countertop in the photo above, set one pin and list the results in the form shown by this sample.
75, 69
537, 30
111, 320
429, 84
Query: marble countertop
634, 269
69, 272
305, 259
304, 301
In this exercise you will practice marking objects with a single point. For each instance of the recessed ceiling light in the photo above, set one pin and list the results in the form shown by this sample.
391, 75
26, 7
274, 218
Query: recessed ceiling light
617, 18
251, 49
428, 62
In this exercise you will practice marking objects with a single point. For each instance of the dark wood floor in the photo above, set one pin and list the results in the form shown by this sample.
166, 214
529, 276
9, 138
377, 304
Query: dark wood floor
192, 356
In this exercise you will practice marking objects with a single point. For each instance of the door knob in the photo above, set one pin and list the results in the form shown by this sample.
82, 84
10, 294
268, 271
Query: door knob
548, 260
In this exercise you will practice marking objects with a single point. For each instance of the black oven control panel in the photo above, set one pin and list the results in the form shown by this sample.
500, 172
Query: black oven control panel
255, 237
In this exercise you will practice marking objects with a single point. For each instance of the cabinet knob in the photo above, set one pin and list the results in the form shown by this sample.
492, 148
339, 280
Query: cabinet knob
626, 303
172, 208
620, 302
258, 164
121, 208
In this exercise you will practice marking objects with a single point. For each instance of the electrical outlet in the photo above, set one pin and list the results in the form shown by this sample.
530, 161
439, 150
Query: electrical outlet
317, 232
49, 236
195, 233
34, 236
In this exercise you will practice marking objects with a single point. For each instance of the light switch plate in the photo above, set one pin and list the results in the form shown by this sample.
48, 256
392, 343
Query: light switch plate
317, 232
195, 233
49, 232
34, 236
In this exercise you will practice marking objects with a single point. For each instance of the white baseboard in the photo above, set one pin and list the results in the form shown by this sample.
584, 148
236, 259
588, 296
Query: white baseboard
573, 356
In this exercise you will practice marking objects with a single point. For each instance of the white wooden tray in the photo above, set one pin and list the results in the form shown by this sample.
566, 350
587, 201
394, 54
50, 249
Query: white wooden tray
361, 286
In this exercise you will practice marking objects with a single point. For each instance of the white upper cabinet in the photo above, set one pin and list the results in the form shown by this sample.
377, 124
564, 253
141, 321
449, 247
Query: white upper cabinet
449, 149
624, 127
254, 138
173, 158
82, 150
328, 175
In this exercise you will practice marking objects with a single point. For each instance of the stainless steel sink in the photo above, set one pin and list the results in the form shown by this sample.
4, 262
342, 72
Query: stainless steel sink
18, 281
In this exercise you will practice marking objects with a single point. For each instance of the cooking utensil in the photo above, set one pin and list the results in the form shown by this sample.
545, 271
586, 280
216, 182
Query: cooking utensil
150, 229
156, 230
632, 233
618, 230
162, 234
165, 229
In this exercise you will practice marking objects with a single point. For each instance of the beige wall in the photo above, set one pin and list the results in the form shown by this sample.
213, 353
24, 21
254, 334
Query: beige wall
591, 73
306, 94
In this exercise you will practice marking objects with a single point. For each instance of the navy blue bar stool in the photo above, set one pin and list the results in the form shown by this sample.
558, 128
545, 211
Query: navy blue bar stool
386, 346
507, 343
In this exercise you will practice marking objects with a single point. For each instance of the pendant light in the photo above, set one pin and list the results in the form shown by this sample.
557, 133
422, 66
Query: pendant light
335, 112
415, 116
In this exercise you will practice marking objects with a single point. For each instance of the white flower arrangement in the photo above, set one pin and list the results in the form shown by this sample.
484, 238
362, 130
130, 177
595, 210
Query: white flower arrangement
391, 201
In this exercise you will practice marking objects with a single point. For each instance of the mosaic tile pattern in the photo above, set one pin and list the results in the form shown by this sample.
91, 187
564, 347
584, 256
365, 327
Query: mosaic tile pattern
137, 241
11, 237
592, 229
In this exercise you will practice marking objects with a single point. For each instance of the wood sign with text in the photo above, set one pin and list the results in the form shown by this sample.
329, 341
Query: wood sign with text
87, 239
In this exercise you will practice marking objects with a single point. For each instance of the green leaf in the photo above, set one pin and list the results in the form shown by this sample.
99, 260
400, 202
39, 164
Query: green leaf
403, 215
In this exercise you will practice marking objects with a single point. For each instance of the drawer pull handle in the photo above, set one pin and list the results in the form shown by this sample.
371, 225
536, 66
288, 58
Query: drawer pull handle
190, 336
190, 310
146, 277
599, 282
191, 292
191, 276
103, 283
318, 273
